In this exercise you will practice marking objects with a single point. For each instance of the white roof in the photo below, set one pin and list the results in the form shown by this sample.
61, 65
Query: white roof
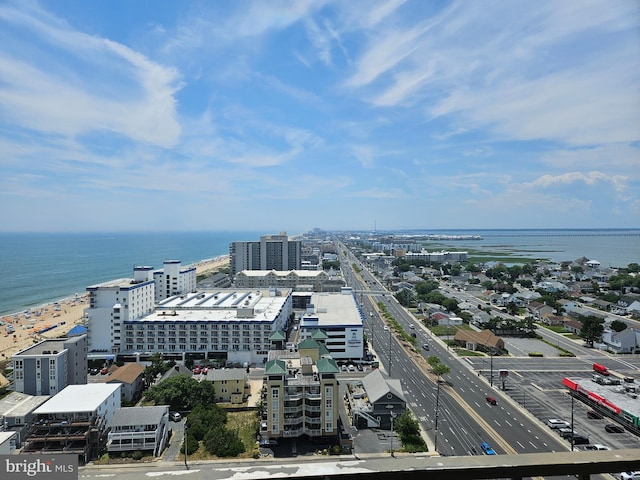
79, 398
332, 310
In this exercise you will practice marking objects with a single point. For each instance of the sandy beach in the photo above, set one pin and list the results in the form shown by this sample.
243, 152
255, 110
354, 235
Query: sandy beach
59, 317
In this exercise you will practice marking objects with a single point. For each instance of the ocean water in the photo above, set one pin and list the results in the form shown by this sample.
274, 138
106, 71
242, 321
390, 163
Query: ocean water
39, 268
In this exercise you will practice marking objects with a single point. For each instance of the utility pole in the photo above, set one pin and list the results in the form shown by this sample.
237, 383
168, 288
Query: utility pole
393, 415
435, 429
491, 379
186, 442
389, 352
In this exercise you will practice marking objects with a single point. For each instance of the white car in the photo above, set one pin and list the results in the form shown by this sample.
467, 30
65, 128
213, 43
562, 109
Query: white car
386, 327
630, 475
596, 446
557, 423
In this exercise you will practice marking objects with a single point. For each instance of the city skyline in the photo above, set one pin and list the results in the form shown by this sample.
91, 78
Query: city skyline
339, 115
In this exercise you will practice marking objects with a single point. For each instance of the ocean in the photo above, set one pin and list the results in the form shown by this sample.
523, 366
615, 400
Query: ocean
39, 268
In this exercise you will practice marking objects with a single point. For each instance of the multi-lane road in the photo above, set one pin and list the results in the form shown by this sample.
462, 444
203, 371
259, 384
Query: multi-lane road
533, 392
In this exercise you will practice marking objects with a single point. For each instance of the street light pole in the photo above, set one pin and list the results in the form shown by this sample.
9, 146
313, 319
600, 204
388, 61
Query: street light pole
389, 351
573, 440
392, 417
491, 379
435, 429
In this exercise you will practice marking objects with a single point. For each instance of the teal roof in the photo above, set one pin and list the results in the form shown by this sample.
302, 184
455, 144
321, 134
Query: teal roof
319, 335
308, 343
277, 335
327, 365
275, 367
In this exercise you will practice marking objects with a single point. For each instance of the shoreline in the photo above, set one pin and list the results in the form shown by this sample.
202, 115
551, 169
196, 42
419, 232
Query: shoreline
55, 319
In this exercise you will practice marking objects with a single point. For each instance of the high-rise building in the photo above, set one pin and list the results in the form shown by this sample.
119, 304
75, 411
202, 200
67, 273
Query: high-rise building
272, 252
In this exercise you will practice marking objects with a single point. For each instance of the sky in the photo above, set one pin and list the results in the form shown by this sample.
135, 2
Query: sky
155, 115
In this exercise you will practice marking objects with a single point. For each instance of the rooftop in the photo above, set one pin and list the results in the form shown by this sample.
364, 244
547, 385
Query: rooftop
79, 398
332, 310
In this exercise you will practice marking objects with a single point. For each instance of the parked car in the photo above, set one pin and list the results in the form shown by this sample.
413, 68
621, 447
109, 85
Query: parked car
426, 346
557, 423
486, 448
613, 428
492, 401
196, 370
360, 367
268, 442
175, 416
630, 475
566, 432
104, 371
594, 414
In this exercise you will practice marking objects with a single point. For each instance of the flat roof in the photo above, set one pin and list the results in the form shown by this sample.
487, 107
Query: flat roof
79, 398
52, 345
220, 305
119, 283
18, 404
332, 310
612, 393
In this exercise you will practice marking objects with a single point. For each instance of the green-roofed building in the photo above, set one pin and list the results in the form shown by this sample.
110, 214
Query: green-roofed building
302, 394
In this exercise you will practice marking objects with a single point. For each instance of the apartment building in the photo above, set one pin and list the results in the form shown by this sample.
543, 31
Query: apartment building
301, 393
49, 366
294, 279
339, 317
271, 252
74, 421
227, 324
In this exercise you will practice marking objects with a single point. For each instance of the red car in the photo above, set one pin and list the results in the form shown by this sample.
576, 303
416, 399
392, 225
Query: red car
104, 371
196, 371
492, 400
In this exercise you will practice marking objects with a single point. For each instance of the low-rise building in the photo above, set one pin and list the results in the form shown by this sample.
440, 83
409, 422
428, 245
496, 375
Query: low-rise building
74, 421
373, 402
16, 413
131, 377
308, 280
484, 341
139, 428
8, 442
230, 385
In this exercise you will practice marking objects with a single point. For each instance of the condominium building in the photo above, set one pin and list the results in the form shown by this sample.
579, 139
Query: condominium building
437, 257
228, 324
293, 279
301, 393
74, 421
49, 366
340, 318
272, 252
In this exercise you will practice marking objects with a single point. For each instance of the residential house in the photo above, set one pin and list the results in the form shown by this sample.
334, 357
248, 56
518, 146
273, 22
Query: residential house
553, 320
139, 428
380, 398
573, 326
626, 341
131, 376
446, 320
537, 310
231, 385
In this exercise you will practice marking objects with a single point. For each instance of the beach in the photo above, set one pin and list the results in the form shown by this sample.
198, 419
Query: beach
55, 319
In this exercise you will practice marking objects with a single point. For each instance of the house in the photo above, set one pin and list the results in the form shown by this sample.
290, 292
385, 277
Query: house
383, 398
446, 320
626, 341
573, 326
139, 428
537, 310
553, 320
231, 385
131, 376
484, 341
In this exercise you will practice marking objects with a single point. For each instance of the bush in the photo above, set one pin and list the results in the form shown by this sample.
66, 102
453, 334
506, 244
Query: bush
536, 354
137, 455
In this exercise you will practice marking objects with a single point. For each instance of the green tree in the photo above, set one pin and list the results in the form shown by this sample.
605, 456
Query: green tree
633, 268
424, 288
223, 442
473, 268
592, 328
618, 326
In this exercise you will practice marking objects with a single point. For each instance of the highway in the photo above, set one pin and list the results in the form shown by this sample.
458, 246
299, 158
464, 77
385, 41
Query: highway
465, 418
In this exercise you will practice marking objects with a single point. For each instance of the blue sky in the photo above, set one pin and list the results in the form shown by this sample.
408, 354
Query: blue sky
289, 115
